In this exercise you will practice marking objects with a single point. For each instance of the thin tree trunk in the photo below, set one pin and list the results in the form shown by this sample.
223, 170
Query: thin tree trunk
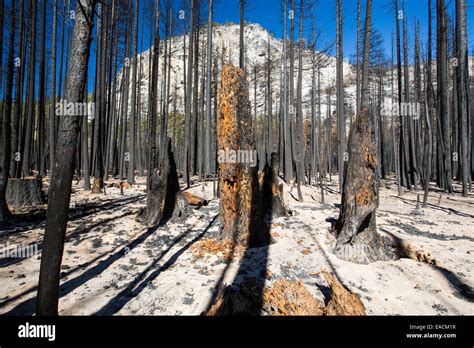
410, 124
300, 179
5, 154
463, 94
241, 34
41, 121
358, 60
131, 165
152, 163
402, 157
17, 112
207, 154
26, 171
341, 120
442, 78
52, 109
189, 87
60, 187
286, 122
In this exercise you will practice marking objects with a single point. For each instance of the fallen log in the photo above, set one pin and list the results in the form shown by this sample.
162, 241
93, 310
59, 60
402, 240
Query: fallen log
194, 200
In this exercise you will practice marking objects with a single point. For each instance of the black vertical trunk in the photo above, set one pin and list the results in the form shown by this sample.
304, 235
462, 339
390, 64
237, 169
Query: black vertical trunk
60, 187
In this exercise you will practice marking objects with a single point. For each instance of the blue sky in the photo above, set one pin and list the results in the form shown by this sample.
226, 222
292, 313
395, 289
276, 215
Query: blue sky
268, 13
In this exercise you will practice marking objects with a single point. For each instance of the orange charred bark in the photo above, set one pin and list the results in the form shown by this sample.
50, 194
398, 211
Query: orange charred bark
357, 237
239, 189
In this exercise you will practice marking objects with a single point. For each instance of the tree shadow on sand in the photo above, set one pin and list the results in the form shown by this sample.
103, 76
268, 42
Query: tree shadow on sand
134, 288
28, 307
245, 295
402, 250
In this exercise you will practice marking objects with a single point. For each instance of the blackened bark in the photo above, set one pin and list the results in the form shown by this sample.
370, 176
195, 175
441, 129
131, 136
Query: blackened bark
272, 192
26, 157
131, 166
207, 152
300, 179
5, 154
164, 198
463, 91
442, 78
52, 108
341, 120
189, 87
357, 237
60, 186
241, 34
41, 121
17, 112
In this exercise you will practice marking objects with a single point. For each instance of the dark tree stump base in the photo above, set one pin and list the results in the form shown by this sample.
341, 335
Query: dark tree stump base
25, 192
272, 193
164, 198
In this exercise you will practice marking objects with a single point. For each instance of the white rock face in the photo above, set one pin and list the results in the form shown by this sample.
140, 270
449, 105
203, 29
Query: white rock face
226, 50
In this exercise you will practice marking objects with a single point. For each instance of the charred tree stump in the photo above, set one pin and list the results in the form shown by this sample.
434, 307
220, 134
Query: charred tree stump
357, 237
164, 197
356, 230
97, 185
25, 192
272, 193
239, 206
5, 213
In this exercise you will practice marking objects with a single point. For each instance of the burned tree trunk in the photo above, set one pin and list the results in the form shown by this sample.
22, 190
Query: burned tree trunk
164, 198
272, 193
443, 92
25, 192
357, 237
239, 189
61, 181
5, 141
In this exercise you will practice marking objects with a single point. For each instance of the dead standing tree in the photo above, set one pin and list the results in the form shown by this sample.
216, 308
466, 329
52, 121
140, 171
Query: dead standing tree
61, 181
164, 197
239, 188
357, 237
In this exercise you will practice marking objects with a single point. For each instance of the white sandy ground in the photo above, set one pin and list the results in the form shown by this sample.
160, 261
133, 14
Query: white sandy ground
113, 265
